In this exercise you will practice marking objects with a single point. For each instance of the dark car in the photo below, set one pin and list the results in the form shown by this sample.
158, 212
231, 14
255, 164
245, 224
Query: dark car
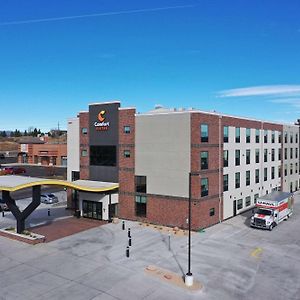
2, 156
3, 205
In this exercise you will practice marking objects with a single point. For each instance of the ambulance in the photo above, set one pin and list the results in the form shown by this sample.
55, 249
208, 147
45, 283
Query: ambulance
271, 209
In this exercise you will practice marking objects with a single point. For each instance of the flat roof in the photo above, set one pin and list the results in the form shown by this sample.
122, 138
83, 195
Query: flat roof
276, 196
14, 183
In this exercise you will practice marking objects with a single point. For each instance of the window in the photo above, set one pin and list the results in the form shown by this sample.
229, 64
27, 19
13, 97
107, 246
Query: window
247, 177
256, 175
265, 155
237, 157
140, 184
84, 130
279, 137
285, 137
212, 212
285, 153
225, 158
84, 153
296, 138
265, 136
248, 157
255, 198
279, 154
225, 132
279, 171
285, 170
126, 153
291, 153
225, 183
240, 204
257, 155
141, 206
291, 169
237, 180
272, 172
204, 133
265, 174
204, 160
248, 135
273, 137
273, 155
257, 135
248, 201
237, 134
204, 187
127, 129
103, 156
291, 137
296, 152
296, 167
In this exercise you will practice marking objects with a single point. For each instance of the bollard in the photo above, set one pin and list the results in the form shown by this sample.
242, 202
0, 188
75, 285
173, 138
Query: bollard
129, 241
123, 225
3, 213
127, 251
48, 212
129, 234
169, 242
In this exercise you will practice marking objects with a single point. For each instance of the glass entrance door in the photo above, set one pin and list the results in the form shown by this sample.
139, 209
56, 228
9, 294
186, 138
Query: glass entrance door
92, 210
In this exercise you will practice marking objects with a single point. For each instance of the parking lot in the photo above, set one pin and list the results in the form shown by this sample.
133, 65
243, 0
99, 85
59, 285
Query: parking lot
231, 260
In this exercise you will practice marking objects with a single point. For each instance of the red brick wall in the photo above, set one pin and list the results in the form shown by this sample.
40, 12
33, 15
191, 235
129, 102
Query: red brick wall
84, 145
126, 165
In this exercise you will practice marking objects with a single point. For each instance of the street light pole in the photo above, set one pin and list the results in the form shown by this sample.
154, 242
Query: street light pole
189, 275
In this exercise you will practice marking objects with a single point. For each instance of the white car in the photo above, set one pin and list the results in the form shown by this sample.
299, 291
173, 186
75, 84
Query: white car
48, 198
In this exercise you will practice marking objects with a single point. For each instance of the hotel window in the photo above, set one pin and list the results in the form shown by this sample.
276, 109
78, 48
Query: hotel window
103, 156
273, 155
204, 187
265, 174
255, 198
204, 133
265, 155
225, 182
285, 153
296, 152
141, 206
273, 137
84, 153
237, 157
272, 172
126, 153
285, 137
247, 177
296, 167
279, 154
141, 184
127, 129
257, 155
257, 135
256, 175
225, 132
285, 170
279, 136
248, 201
237, 180
225, 158
84, 130
265, 136
291, 169
291, 138
212, 212
237, 134
296, 138
248, 157
204, 160
279, 171
291, 153
240, 204
248, 135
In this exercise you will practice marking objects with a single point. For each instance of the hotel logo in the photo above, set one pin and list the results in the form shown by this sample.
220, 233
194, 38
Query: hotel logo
101, 125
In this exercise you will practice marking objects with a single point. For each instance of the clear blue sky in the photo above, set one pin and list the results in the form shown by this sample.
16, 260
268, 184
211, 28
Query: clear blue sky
236, 57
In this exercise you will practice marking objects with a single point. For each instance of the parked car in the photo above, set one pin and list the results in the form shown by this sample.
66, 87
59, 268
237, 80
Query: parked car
49, 198
18, 170
3, 205
13, 170
8, 170
2, 156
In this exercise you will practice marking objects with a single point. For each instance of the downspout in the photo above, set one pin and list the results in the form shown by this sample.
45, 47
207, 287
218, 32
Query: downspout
220, 161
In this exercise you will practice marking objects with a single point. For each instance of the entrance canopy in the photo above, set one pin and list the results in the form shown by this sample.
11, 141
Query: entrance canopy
12, 183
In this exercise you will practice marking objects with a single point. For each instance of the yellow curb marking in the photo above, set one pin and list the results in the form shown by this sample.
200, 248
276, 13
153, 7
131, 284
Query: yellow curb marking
256, 252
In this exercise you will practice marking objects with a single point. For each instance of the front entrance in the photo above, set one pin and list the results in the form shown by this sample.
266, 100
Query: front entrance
92, 210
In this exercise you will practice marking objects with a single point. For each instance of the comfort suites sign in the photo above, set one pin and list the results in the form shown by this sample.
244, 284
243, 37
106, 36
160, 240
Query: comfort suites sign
101, 124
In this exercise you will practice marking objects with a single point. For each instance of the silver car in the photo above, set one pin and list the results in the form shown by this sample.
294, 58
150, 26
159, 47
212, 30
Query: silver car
49, 198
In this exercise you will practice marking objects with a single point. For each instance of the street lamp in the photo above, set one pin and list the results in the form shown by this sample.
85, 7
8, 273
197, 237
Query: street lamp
189, 276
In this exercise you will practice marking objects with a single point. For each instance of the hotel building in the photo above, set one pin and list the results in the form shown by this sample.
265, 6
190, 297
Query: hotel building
163, 157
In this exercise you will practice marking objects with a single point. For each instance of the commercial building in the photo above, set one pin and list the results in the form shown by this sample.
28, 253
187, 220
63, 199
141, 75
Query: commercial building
163, 157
